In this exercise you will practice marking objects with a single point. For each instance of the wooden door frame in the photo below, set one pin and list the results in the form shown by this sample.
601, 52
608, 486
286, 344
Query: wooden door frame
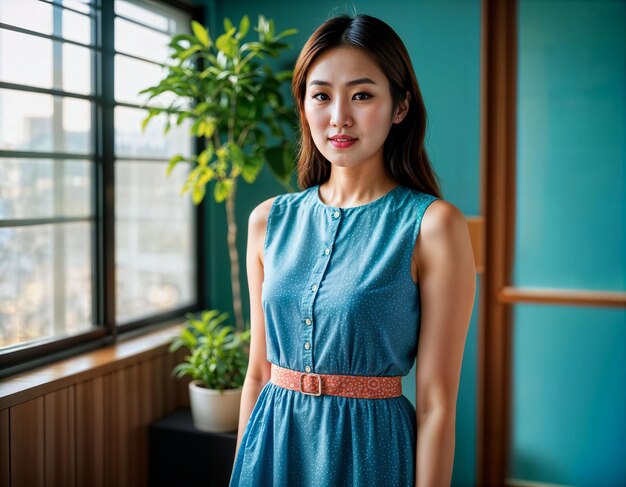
498, 133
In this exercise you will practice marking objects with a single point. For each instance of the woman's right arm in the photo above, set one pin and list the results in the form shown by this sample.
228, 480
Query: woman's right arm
258, 373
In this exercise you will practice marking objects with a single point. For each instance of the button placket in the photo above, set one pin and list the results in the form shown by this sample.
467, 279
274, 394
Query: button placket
315, 281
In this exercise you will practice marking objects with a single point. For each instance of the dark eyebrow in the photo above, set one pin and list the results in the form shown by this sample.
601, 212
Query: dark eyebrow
359, 81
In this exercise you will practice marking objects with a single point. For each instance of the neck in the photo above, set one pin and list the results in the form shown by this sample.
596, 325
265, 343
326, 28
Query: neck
347, 188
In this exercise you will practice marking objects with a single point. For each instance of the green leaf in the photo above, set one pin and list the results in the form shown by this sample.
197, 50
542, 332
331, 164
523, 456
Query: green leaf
227, 44
207, 176
206, 155
251, 168
244, 27
197, 195
145, 121
237, 155
201, 33
207, 128
284, 75
176, 40
228, 25
188, 52
285, 33
222, 189
173, 162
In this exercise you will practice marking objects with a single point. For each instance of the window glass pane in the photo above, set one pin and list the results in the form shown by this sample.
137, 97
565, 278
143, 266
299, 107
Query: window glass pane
76, 127
132, 76
43, 188
140, 14
129, 140
80, 5
76, 27
25, 59
154, 236
45, 282
571, 149
77, 69
27, 121
140, 41
29, 14
28, 60
569, 395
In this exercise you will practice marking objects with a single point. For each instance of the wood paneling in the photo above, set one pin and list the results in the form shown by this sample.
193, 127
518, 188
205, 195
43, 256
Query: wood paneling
26, 429
59, 447
89, 426
36, 383
90, 432
5, 458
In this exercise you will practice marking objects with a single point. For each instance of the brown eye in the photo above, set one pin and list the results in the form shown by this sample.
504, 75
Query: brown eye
316, 95
362, 96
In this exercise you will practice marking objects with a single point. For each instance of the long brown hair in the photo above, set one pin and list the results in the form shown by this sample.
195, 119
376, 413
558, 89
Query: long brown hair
404, 154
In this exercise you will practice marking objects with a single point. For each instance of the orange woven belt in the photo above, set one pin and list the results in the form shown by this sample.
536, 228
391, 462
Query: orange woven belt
370, 387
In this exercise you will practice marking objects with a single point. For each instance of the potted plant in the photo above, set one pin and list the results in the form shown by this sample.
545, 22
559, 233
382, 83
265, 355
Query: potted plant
217, 362
235, 100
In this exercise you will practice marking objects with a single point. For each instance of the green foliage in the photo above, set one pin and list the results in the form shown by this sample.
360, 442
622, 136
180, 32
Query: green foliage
218, 354
235, 103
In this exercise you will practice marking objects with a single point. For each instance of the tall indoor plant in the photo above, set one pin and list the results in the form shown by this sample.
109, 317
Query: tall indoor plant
236, 104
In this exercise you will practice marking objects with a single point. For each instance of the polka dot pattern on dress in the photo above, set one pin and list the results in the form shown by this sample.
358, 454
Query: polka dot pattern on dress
338, 298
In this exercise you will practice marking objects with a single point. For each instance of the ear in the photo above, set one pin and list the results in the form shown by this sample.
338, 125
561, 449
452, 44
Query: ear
402, 109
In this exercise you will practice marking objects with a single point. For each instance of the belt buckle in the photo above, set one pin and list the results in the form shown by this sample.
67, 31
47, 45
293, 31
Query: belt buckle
319, 384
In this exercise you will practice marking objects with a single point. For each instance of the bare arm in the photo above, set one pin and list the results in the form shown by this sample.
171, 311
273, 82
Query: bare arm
447, 279
258, 372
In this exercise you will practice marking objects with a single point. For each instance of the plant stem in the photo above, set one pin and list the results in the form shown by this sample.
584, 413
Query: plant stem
234, 256
243, 135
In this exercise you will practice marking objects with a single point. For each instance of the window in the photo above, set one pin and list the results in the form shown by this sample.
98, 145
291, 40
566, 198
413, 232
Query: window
94, 237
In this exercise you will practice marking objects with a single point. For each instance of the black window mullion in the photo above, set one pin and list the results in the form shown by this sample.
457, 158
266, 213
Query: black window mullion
104, 299
54, 37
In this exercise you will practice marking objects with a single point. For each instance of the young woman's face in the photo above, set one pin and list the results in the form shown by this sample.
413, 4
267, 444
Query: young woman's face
348, 95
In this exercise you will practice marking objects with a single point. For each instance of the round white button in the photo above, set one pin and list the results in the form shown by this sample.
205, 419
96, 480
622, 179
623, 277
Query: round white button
327, 251
307, 321
307, 345
336, 214
314, 287
307, 369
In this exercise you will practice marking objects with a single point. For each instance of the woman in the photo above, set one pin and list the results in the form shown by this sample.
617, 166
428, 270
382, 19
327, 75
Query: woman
342, 289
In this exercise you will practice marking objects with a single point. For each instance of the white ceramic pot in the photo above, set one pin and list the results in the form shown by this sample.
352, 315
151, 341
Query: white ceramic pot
212, 410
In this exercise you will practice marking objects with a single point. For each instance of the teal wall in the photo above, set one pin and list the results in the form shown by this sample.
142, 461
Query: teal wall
443, 39
569, 364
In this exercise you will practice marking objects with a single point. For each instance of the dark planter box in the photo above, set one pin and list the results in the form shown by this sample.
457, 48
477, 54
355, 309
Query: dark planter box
181, 455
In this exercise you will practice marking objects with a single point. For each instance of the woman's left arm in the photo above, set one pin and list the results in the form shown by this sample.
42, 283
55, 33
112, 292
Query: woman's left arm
447, 281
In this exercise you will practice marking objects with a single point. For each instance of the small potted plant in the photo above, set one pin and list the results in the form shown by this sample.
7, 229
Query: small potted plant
217, 364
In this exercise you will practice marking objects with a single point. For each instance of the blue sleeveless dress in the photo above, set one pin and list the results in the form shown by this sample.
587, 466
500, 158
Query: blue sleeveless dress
338, 298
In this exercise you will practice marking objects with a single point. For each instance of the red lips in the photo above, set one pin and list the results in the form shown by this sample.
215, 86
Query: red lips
343, 137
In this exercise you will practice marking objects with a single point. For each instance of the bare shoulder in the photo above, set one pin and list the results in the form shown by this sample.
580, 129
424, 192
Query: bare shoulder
257, 225
440, 218
258, 216
443, 233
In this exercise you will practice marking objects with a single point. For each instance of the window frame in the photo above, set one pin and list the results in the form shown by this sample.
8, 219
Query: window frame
22, 357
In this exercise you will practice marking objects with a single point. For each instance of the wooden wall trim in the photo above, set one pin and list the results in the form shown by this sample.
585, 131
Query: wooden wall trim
497, 146
476, 226
581, 297
38, 382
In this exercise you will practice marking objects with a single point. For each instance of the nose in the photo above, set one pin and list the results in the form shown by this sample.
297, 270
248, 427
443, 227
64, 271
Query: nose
340, 116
